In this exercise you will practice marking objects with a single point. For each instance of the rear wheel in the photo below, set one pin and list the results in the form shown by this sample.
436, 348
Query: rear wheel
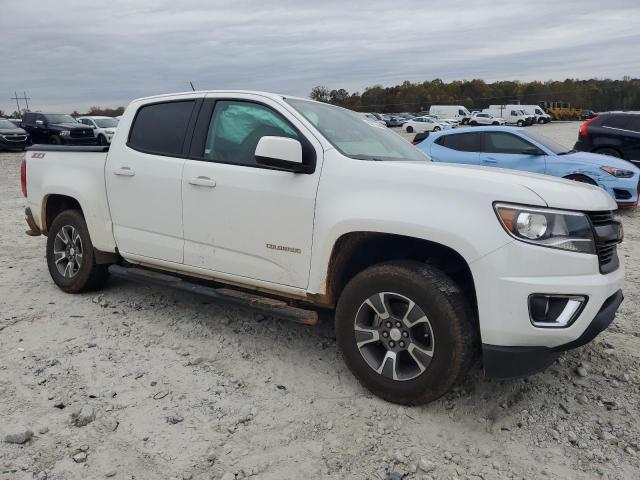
495, 123
612, 152
102, 140
436, 129
55, 140
409, 129
405, 331
520, 123
70, 255
473, 123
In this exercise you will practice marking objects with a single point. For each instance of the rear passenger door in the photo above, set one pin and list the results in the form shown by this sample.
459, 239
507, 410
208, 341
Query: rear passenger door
144, 180
457, 148
507, 150
242, 219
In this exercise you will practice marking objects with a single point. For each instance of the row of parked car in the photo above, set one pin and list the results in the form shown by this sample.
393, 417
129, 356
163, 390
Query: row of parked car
57, 129
592, 160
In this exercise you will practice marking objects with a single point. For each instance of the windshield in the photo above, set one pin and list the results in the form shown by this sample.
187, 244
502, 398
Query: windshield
550, 144
6, 124
106, 122
59, 118
356, 138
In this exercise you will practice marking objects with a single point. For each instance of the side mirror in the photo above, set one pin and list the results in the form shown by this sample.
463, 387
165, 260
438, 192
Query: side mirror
280, 152
39, 123
532, 151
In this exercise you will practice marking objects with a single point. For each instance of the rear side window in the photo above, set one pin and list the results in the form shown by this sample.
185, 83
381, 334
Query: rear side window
161, 127
462, 142
616, 121
634, 124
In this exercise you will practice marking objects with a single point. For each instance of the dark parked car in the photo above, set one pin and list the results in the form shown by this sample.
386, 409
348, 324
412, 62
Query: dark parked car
57, 129
612, 133
394, 121
12, 137
587, 114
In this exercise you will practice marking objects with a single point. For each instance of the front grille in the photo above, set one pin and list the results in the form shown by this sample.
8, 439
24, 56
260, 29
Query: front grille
15, 137
81, 133
605, 232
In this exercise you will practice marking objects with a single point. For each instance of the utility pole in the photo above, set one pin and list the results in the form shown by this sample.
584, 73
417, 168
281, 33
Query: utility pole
26, 100
15, 97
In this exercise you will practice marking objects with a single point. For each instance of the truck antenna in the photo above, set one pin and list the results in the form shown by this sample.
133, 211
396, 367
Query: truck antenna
192, 88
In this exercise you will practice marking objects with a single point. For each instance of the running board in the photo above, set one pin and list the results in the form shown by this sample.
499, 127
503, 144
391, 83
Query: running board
265, 305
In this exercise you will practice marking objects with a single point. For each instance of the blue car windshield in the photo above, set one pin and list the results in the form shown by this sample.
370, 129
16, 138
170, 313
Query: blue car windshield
355, 137
550, 144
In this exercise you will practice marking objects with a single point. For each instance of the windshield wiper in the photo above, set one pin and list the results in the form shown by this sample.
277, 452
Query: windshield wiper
573, 150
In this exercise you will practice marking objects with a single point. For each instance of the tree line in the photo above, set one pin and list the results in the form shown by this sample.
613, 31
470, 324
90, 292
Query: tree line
595, 94
93, 111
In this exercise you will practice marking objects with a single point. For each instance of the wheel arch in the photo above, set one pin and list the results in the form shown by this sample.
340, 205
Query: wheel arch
609, 147
53, 204
353, 252
580, 176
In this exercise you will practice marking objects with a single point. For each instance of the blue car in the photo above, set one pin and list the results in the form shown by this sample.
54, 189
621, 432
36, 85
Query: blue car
527, 150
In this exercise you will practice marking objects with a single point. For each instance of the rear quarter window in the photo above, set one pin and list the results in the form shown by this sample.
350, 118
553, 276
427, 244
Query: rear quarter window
161, 128
462, 142
616, 121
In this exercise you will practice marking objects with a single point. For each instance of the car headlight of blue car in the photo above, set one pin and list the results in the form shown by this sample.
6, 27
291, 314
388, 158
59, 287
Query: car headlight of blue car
617, 172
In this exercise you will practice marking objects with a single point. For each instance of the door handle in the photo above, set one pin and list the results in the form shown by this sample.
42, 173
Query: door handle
202, 182
490, 160
124, 171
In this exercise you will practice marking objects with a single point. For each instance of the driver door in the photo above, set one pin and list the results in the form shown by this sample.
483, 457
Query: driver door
241, 218
506, 150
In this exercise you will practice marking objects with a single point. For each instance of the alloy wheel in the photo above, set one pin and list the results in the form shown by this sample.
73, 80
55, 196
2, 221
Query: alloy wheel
68, 251
394, 336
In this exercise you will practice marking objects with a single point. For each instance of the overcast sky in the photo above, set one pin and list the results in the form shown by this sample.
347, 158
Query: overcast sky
71, 54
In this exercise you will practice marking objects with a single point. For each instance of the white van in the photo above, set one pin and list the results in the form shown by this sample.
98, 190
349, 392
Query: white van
458, 113
535, 110
513, 116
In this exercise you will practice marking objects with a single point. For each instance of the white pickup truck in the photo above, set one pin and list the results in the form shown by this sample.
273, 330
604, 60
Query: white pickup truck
292, 206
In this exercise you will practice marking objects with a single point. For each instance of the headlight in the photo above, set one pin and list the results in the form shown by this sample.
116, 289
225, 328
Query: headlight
547, 227
617, 172
65, 133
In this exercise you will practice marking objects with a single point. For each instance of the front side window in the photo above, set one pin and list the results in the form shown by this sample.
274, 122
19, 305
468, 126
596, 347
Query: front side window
160, 128
354, 138
236, 128
505, 143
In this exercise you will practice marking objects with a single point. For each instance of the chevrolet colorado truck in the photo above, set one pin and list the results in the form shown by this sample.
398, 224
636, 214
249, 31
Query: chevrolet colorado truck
294, 206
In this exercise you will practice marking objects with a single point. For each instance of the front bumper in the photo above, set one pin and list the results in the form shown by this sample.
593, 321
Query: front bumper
504, 280
10, 144
508, 362
79, 140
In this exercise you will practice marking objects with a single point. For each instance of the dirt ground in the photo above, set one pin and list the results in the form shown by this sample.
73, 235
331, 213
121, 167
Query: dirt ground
142, 382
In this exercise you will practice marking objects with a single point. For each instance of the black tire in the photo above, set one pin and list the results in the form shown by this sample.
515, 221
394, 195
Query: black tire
102, 140
520, 123
465, 121
581, 179
473, 123
541, 120
409, 129
495, 123
436, 129
89, 276
455, 336
55, 140
609, 151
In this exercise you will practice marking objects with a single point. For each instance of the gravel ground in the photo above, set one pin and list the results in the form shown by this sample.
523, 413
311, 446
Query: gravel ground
143, 382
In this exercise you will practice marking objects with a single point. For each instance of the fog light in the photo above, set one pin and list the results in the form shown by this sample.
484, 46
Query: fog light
555, 311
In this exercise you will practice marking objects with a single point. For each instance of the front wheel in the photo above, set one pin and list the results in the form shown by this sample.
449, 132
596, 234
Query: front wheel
55, 140
436, 129
520, 123
581, 179
409, 129
495, 123
406, 331
473, 123
102, 140
70, 257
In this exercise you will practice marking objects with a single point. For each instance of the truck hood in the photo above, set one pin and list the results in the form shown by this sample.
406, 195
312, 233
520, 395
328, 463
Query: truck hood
555, 192
599, 160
